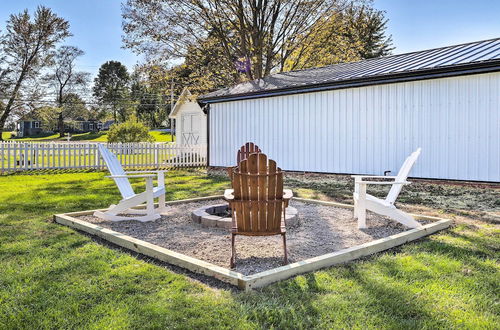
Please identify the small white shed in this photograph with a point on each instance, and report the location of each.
(367, 117)
(190, 120)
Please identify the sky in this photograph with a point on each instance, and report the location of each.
(425, 24)
(95, 25)
(414, 25)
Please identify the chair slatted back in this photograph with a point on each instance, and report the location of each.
(403, 173)
(258, 195)
(115, 168)
(246, 150)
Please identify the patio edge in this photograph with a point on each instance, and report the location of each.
(267, 277)
(152, 250)
(262, 279)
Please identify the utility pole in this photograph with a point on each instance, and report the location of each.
(172, 108)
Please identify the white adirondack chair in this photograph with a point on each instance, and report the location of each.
(130, 198)
(385, 207)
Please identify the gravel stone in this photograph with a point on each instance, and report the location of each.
(321, 229)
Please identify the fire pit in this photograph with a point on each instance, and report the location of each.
(220, 216)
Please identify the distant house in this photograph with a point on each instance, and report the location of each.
(107, 124)
(29, 125)
(80, 125)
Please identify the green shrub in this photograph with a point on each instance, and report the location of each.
(130, 131)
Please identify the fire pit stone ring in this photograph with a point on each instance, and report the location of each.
(219, 216)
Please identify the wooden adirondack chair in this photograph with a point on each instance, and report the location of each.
(257, 200)
(243, 153)
(385, 207)
(130, 198)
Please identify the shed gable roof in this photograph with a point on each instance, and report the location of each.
(484, 55)
(185, 96)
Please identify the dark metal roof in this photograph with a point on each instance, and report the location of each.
(474, 57)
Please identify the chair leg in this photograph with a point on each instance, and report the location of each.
(361, 207)
(150, 202)
(161, 202)
(233, 251)
(355, 210)
(284, 248)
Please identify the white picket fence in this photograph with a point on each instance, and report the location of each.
(22, 156)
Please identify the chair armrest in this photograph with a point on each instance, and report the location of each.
(386, 177)
(131, 176)
(287, 193)
(159, 173)
(229, 194)
(382, 182)
(152, 171)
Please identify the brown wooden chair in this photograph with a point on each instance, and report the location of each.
(246, 150)
(257, 200)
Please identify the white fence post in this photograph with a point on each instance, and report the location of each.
(25, 156)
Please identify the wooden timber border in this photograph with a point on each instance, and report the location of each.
(249, 282)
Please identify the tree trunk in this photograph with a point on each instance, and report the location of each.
(12, 98)
(172, 128)
(2, 124)
(60, 125)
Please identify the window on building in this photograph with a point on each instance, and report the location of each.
(37, 124)
(91, 126)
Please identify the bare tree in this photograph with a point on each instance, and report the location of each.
(65, 79)
(4, 79)
(261, 32)
(27, 46)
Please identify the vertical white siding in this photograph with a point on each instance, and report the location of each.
(369, 130)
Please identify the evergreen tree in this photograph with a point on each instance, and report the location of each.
(111, 88)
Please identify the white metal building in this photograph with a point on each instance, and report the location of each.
(367, 117)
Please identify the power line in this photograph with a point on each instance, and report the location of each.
(90, 103)
(88, 98)
(134, 93)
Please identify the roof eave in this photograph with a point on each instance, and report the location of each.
(483, 67)
(180, 100)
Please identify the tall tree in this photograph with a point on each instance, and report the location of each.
(148, 97)
(253, 37)
(4, 80)
(351, 35)
(66, 80)
(73, 108)
(206, 69)
(27, 46)
(152, 88)
(111, 88)
(260, 33)
(368, 26)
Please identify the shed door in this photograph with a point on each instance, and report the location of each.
(191, 128)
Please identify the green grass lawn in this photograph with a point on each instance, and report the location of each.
(54, 277)
(6, 135)
(89, 136)
(161, 136)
